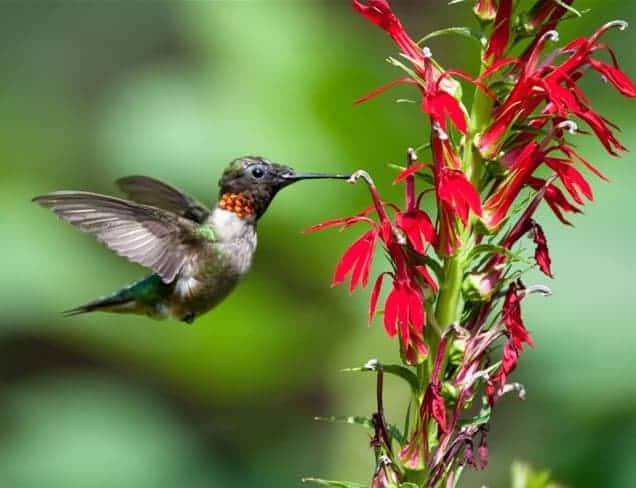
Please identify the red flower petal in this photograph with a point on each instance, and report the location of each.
(616, 77)
(391, 307)
(358, 255)
(375, 293)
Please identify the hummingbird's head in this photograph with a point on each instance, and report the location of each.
(249, 184)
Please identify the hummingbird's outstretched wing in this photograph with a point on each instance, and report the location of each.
(152, 237)
(149, 191)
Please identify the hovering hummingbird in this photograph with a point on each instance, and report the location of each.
(197, 255)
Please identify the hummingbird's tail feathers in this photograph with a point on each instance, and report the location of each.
(142, 297)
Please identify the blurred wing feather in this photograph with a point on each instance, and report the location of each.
(146, 235)
(149, 191)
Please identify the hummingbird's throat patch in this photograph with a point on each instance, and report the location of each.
(237, 203)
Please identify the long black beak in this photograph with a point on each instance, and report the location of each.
(293, 176)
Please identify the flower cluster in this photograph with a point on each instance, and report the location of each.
(456, 287)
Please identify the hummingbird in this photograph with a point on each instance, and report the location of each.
(197, 255)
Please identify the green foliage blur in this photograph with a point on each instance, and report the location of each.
(93, 91)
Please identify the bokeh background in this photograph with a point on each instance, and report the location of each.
(91, 91)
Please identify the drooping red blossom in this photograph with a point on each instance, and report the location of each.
(404, 309)
(511, 316)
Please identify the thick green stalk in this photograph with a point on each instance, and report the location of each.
(448, 310)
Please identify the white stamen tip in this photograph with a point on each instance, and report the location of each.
(619, 24)
(550, 35)
(540, 289)
(440, 132)
(426, 51)
(371, 364)
(384, 461)
(568, 125)
(360, 174)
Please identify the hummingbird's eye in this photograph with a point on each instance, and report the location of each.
(257, 172)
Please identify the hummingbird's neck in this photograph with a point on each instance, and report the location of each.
(240, 204)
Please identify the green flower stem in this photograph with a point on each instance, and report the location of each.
(479, 118)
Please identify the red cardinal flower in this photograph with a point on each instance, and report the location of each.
(456, 195)
(540, 82)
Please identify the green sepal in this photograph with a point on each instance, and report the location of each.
(482, 418)
(364, 422)
(408, 485)
(456, 352)
(492, 249)
(336, 484)
(395, 369)
(449, 390)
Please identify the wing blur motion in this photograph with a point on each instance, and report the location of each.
(145, 235)
(150, 191)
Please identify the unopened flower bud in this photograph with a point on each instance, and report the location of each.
(485, 10)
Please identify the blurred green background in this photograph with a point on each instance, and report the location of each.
(90, 92)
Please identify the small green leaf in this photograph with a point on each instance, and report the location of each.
(483, 417)
(494, 249)
(458, 31)
(352, 419)
(336, 484)
(395, 369)
(363, 422)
